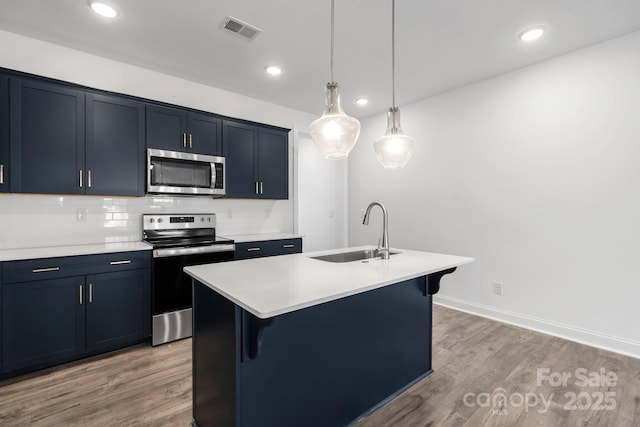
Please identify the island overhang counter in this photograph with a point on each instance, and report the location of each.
(292, 340)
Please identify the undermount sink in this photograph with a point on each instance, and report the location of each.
(351, 256)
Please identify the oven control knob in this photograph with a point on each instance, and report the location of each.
(151, 220)
(201, 219)
(159, 219)
(209, 219)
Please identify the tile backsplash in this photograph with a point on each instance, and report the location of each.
(44, 220)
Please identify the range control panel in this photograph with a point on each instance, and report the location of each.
(178, 221)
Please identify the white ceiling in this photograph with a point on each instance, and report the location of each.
(440, 44)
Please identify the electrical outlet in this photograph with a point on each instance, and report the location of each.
(497, 288)
(82, 214)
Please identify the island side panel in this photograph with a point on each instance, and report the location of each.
(216, 349)
(329, 364)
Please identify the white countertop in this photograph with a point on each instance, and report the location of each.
(59, 251)
(271, 286)
(243, 238)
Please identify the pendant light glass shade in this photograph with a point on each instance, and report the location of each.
(334, 133)
(394, 148)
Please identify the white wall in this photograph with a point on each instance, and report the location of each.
(321, 195)
(53, 219)
(534, 173)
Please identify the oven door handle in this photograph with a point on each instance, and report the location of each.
(162, 253)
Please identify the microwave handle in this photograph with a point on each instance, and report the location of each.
(213, 175)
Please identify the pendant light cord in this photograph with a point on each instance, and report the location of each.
(393, 53)
(332, 14)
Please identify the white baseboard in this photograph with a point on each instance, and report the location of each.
(571, 333)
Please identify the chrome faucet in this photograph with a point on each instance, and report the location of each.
(383, 248)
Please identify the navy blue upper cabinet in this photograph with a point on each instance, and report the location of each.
(4, 134)
(180, 130)
(46, 137)
(205, 134)
(273, 163)
(257, 161)
(240, 149)
(115, 152)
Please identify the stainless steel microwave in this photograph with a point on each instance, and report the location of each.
(174, 172)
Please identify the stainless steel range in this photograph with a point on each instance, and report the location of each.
(179, 241)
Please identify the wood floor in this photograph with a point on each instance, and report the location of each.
(484, 372)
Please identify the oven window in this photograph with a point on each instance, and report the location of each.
(171, 286)
(180, 173)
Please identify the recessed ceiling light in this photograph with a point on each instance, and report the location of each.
(532, 34)
(273, 70)
(362, 101)
(103, 9)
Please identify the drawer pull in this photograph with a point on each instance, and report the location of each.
(252, 249)
(90, 292)
(120, 262)
(44, 270)
(288, 246)
(80, 294)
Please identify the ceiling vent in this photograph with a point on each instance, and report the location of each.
(239, 28)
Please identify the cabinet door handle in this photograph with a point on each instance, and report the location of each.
(120, 262)
(90, 292)
(287, 246)
(190, 140)
(184, 140)
(261, 185)
(44, 270)
(80, 178)
(1, 174)
(89, 178)
(252, 249)
(257, 192)
(80, 294)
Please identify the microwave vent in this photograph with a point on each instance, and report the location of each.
(240, 28)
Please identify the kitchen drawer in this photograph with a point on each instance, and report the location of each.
(50, 268)
(265, 248)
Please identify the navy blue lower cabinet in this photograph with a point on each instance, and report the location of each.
(42, 322)
(4, 134)
(259, 249)
(55, 310)
(118, 310)
(326, 365)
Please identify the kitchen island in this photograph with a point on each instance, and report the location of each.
(293, 340)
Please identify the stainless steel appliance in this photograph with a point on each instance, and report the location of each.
(173, 172)
(179, 241)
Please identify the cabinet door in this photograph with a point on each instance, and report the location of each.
(118, 308)
(115, 154)
(204, 134)
(4, 134)
(47, 138)
(273, 164)
(42, 322)
(240, 149)
(166, 128)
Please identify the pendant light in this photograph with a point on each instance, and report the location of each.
(334, 133)
(394, 148)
